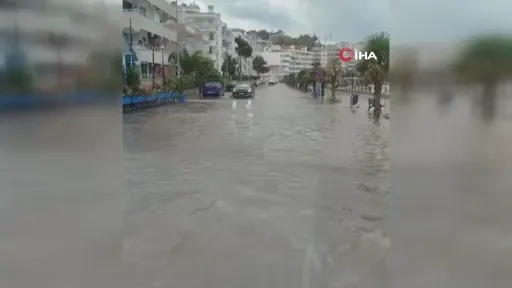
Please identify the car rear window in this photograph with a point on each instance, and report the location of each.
(212, 84)
(242, 86)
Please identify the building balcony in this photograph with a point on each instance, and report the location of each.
(145, 53)
(186, 31)
(139, 21)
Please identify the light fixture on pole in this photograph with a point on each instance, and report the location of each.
(153, 65)
(163, 67)
(177, 41)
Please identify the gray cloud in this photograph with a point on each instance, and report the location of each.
(448, 19)
(259, 13)
(341, 18)
(348, 20)
(407, 21)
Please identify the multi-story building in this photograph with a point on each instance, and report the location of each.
(327, 52)
(285, 60)
(276, 64)
(258, 45)
(150, 27)
(192, 40)
(299, 59)
(58, 45)
(210, 24)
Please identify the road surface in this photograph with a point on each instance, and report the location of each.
(277, 191)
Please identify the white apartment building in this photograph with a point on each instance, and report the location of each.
(55, 45)
(210, 24)
(332, 51)
(258, 45)
(286, 60)
(153, 36)
(274, 63)
(299, 59)
(192, 40)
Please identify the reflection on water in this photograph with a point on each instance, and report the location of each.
(277, 191)
(451, 195)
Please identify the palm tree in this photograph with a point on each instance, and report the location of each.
(239, 49)
(376, 70)
(247, 53)
(487, 60)
(243, 50)
(333, 72)
(173, 58)
(405, 67)
(197, 67)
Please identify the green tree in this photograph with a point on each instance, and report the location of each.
(132, 78)
(350, 74)
(198, 68)
(239, 49)
(333, 72)
(173, 60)
(181, 84)
(486, 60)
(305, 78)
(376, 70)
(106, 74)
(243, 50)
(229, 65)
(290, 80)
(263, 34)
(304, 40)
(259, 65)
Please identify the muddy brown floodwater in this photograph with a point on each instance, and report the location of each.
(277, 191)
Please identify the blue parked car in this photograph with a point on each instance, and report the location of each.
(213, 89)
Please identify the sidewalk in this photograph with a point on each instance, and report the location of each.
(193, 94)
(349, 92)
(343, 95)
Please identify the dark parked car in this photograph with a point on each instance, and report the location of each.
(243, 90)
(213, 89)
(230, 86)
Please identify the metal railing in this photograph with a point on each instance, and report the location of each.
(145, 46)
(172, 26)
(150, 75)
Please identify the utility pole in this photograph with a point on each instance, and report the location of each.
(177, 41)
(153, 65)
(163, 67)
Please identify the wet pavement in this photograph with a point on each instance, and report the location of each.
(277, 191)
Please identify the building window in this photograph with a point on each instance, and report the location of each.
(142, 10)
(211, 50)
(211, 36)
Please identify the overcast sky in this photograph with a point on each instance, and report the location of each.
(407, 21)
(305, 16)
(350, 20)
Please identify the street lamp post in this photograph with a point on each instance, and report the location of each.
(163, 68)
(153, 65)
(177, 42)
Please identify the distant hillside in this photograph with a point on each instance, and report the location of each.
(280, 38)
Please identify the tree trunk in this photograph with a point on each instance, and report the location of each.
(333, 90)
(377, 111)
(488, 101)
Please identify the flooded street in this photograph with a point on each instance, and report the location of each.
(277, 191)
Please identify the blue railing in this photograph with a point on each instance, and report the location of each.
(139, 101)
(79, 98)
